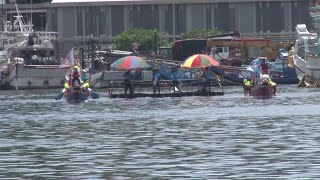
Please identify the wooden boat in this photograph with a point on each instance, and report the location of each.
(188, 88)
(262, 89)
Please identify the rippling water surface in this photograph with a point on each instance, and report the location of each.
(223, 137)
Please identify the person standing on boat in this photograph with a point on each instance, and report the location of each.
(175, 80)
(264, 67)
(75, 75)
(156, 80)
(84, 76)
(208, 75)
(128, 80)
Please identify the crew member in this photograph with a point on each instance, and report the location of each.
(273, 86)
(264, 67)
(247, 86)
(128, 80)
(66, 90)
(208, 76)
(86, 89)
(156, 80)
(175, 80)
(75, 76)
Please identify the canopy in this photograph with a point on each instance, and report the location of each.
(130, 62)
(199, 60)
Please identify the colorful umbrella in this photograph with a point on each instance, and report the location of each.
(199, 60)
(130, 62)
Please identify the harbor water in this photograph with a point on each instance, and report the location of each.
(221, 137)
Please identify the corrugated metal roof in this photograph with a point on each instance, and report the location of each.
(86, 1)
(162, 1)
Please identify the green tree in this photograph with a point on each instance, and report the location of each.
(201, 33)
(147, 39)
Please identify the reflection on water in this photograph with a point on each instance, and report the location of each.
(225, 137)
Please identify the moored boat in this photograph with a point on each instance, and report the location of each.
(28, 58)
(306, 55)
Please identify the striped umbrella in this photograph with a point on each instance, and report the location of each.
(199, 60)
(130, 62)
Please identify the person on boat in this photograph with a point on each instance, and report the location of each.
(156, 80)
(208, 76)
(83, 76)
(247, 86)
(128, 81)
(66, 90)
(75, 76)
(175, 80)
(264, 67)
(273, 85)
(86, 89)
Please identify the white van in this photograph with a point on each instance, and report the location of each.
(219, 53)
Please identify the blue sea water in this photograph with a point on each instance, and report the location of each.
(220, 137)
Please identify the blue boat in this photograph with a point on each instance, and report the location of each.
(279, 71)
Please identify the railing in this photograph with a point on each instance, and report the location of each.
(277, 37)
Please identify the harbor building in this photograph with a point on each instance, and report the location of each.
(103, 19)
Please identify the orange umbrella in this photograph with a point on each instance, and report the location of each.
(199, 60)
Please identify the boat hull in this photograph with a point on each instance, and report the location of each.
(263, 92)
(310, 67)
(21, 76)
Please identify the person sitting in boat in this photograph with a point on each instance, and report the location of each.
(208, 75)
(247, 86)
(66, 90)
(273, 85)
(156, 80)
(264, 67)
(86, 89)
(128, 80)
(175, 80)
(76, 76)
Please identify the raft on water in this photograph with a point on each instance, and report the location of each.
(187, 88)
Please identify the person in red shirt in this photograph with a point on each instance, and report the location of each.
(264, 67)
(75, 76)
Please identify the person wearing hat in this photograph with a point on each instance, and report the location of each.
(83, 76)
(175, 80)
(156, 80)
(128, 80)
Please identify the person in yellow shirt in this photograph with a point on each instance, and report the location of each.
(246, 87)
(273, 86)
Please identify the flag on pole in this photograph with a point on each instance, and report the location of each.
(68, 61)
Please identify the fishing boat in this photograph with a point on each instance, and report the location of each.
(27, 58)
(307, 55)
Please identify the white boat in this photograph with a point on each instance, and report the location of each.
(306, 54)
(27, 59)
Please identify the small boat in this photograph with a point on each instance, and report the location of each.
(263, 88)
(78, 93)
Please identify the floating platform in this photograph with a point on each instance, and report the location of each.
(162, 95)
